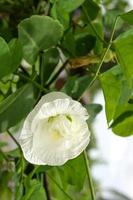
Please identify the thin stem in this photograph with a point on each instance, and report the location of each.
(113, 30)
(24, 70)
(92, 26)
(105, 53)
(89, 176)
(41, 69)
(33, 171)
(57, 73)
(60, 187)
(41, 74)
(22, 164)
(67, 50)
(46, 186)
(14, 139)
(34, 82)
(22, 169)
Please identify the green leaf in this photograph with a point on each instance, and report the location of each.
(43, 168)
(128, 17)
(16, 106)
(85, 44)
(91, 9)
(5, 58)
(59, 13)
(86, 39)
(14, 153)
(10, 56)
(110, 17)
(117, 93)
(76, 86)
(19, 191)
(99, 29)
(111, 88)
(124, 51)
(69, 173)
(38, 33)
(68, 43)
(93, 110)
(34, 191)
(16, 53)
(123, 125)
(69, 5)
(50, 59)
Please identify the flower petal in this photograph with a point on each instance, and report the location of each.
(55, 131)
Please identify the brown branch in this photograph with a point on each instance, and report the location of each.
(46, 186)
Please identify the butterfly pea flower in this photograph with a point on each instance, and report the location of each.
(55, 131)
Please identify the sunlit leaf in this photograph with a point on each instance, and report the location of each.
(34, 191)
(70, 5)
(57, 12)
(124, 50)
(36, 34)
(69, 173)
(119, 111)
(128, 17)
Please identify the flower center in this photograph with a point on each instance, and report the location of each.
(56, 135)
(59, 126)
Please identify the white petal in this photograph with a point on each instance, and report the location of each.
(55, 131)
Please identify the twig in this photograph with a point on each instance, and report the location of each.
(34, 82)
(46, 186)
(14, 139)
(89, 176)
(57, 73)
(105, 53)
(24, 70)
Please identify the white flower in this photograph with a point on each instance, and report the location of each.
(55, 131)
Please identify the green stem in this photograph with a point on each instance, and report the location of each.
(59, 187)
(57, 73)
(92, 26)
(89, 176)
(105, 53)
(33, 171)
(34, 82)
(24, 71)
(14, 139)
(22, 167)
(41, 69)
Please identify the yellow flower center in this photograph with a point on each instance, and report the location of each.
(56, 135)
(59, 126)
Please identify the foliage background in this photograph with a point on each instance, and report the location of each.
(82, 46)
